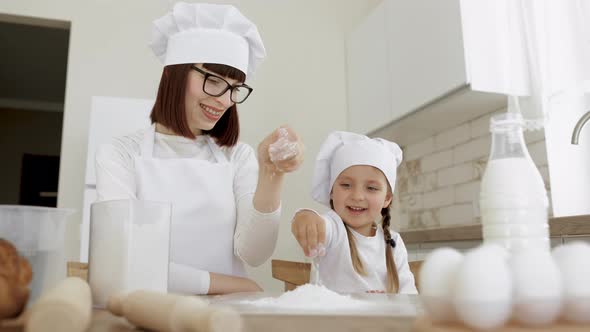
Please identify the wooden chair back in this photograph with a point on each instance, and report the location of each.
(77, 269)
(292, 274)
(415, 268)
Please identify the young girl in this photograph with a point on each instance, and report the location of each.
(355, 176)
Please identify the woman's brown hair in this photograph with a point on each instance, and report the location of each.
(357, 264)
(169, 109)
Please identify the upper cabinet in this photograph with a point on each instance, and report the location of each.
(425, 51)
(368, 73)
(407, 56)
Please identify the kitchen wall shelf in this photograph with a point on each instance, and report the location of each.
(559, 227)
(455, 107)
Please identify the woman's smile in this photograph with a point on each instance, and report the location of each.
(211, 113)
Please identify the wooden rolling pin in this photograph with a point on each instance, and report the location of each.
(173, 313)
(67, 308)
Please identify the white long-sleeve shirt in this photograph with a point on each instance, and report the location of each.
(256, 233)
(336, 269)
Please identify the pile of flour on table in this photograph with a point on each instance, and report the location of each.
(312, 297)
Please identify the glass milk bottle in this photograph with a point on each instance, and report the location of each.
(513, 200)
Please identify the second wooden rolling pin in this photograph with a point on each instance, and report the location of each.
(173, 313)
(67, 307)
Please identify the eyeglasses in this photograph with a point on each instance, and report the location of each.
(216, 86)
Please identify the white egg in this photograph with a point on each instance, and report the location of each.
(483, 288)
(498, 251)
(573, 260)
(536, 283)
(437, 275)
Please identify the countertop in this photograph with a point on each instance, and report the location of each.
(560, 226)
(386, 312)
(390, 312)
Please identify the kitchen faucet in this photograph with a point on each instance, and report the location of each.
(579, 126)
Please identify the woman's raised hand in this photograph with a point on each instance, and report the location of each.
(310, 231)
(281, 151)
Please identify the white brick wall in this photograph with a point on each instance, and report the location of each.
(457, 214)
(439, 180)
(437, 160)
(472, 150)
(481, 126)
(430, 182)
(452, 137)
(419, 149)
(465, 192)
(416, 184)
(411, 202)
(538, 152)
(456, 174)
(544, 170)
(534, 136)
(439, 198)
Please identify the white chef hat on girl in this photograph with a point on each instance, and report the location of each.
(342, 150)
(207, 33)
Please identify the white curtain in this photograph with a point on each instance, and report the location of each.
(539, 51)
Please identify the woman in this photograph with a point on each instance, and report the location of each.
(226, 201)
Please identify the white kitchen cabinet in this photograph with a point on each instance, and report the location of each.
(406, 57)
(368, 79)
(426, 51)
(110, 117)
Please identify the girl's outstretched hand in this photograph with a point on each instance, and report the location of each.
(310, 231)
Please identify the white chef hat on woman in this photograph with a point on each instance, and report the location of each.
(207, 33)
(342, 150)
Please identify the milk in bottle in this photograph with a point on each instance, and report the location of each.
(513, 199)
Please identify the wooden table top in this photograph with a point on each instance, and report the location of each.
(402, 313)
(390, 312)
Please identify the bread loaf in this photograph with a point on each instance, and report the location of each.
(15, 277)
